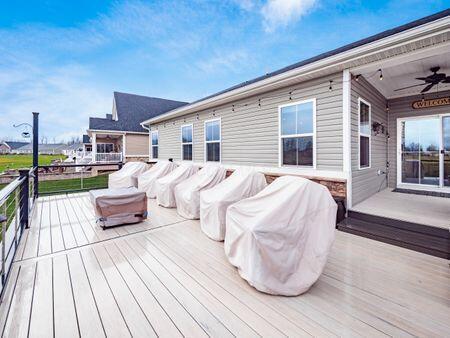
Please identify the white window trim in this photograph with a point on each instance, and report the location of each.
(153, 145)
(281, 137)
(215, 141)
(187, 143)
(369, 135)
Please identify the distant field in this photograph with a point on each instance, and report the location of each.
(25, 161)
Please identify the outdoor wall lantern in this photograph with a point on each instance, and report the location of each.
(378, 128)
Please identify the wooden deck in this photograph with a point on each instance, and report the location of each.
(165, 278)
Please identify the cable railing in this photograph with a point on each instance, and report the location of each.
(16, 206)
(70, 178)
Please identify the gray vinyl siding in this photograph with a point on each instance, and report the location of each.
(401, 108)
(366, 182)
(250, 133)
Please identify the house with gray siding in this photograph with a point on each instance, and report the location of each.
(370, 120)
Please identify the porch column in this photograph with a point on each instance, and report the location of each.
(94, 147)
(124, 147)
(346, 132)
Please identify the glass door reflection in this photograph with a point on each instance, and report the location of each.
(420, 148)
(446, 150)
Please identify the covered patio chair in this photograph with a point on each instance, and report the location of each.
(244, 182)
(165, 186)
(126, 177)
(280, 238)
(187, 193)
(147, 180)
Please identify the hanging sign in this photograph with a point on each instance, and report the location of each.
(443, 101)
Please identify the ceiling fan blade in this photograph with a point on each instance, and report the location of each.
(417, 85)
(427, 88)
(421, 78)
(446, 80)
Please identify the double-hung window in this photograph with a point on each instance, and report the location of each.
(103, 148)
(364, 118)
(155, 141)
(186, 142)
(212, 140)
(297, 133)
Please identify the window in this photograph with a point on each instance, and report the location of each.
(186, 142)
(105, 148)
(155, 144)
(364, 118)
(212, 140)
(297, 133)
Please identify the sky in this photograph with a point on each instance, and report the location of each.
(64, 59)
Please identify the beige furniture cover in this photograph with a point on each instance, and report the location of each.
(127, 176)
(187, 193)
(244, 182)
(119, 206)
(165, 186)
(147, 180)
(280, 238)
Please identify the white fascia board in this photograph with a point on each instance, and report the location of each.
(333, 63)
(115, 132)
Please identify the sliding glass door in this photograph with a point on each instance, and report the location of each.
(424, 151)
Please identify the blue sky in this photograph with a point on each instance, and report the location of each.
(65, 58)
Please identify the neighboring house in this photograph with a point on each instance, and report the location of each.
(120, 135)
(358, 119)
(72, 150)
(47, 149)
(8, 147)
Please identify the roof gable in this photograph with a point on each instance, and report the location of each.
(131, 111)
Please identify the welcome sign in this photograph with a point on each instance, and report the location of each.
(443, 101)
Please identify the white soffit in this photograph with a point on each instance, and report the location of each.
(405, 74)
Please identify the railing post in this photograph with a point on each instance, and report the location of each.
(3, 220)
(36, 152)
(24, 198)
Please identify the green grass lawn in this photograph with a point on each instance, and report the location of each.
(67, 185)
(25, 161)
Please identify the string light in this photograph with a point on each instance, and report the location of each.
(387, 106)
(330, 88)
(290, 95)
(381, 74)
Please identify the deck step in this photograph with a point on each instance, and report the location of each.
(417, 237)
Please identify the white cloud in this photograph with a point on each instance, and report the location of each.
(246, 4)
(65, 96)
(280, 13)
(231, 61)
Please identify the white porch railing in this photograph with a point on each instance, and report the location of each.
(108, 157)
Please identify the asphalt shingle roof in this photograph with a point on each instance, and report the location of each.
(86, 139)
(132, 110)
(14, 145)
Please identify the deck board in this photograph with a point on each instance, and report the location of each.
(164, 278)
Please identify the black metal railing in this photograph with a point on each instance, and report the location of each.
(17, 201)
(70, 178)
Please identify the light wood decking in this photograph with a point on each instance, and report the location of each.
(165, 278)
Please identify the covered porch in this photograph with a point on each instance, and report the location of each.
(107, 146)
(163, 277)
(400, 153)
